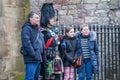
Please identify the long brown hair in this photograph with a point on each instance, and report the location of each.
(67, 29)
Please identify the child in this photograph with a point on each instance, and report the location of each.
(69, 46)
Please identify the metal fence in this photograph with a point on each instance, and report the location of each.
(108, 37)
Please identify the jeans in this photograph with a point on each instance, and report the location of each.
(86, 70)
(32, 71)
(57, 76)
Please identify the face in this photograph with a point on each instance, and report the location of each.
(85, 30)
(35, 19)
(52, 21)
(71, 33)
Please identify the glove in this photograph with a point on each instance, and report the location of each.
(63, 45)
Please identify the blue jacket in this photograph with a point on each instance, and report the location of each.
(93, 48)
(30, 44)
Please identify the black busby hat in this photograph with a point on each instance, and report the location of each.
(47, 12)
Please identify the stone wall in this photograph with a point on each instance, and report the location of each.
(12, 15)
(82, 11)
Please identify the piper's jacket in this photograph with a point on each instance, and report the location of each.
(50, 39)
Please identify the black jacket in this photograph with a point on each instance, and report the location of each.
(69, 53)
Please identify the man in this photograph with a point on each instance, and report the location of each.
(32, 46)
(52, 40)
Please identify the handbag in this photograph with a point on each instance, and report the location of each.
(78, 62)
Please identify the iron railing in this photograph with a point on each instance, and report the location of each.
(108, 37)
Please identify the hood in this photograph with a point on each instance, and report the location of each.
(92, 34)
(27, 23)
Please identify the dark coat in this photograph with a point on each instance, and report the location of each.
(51, 38)
(93, 48)
(48, 35)
(30, 44)
(68, 54)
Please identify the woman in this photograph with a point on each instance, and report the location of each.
(89, 52)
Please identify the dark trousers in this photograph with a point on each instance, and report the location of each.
(57, 76)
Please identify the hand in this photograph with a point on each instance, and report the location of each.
(73, 60)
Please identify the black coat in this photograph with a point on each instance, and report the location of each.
(69, 53)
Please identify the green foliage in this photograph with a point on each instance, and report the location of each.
(20, 76)
(26, 8)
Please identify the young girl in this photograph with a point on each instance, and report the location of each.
(69, 46)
